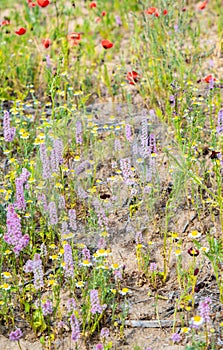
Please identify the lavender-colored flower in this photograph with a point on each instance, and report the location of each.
(64, 229)
(204, 308)
(144, 137)
(95, 303)
(176, 338)
(79, 138)
(128, 133)
(53, 213)
(75, 335)
(68, 259)
(56, 156)
(172, 100)
(71, 305)
(152, 144)
(99, 346)
(82, 167)
(118, 275)
(153, 267)
(28, 267)
(117, 145)
(43, 250)
(38, 272)
(118, 20)
(9, 133)
(16, 335)
(82, 194)
(138, 237)
(72, 219)
(102, 218)
(24, 175)
(220, 122)
(61, 203)
(86, 254)
(48, 62)
(61, 325)
(104, 333)
(14, 235)
(45, 162)
(47, 308)
(127, 172)
(20, 199)
(101, 243)
(42, 199)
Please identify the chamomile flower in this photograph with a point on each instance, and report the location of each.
(194, 234)
(80, 284)
(6, 274)
(124, 291)
(197, 321)
(86, 263)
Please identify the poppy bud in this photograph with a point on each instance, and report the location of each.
(165, 12)
(46, 43)
(196, 271)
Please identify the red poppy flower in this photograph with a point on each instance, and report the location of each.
(165, 12)
(43, 3)
(20, 31)
(93, 4)
(133, 77)
(106, 44)
(103, 13)
(74, 38)
(152, 11)
(209, 78)
(46, 43)
(202, 5)
(31, 3)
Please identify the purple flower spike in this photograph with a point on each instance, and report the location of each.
(16, 335)
(9, 133)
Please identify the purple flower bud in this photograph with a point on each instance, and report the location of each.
(118, 20)
(38, 272)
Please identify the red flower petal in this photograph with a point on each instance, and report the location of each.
(20, 31)
(202, 5)
(165, 12)
(43, 3)
(133, 77)
(106, 44)
(93, 4)
(152, 11)
(209, 78)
